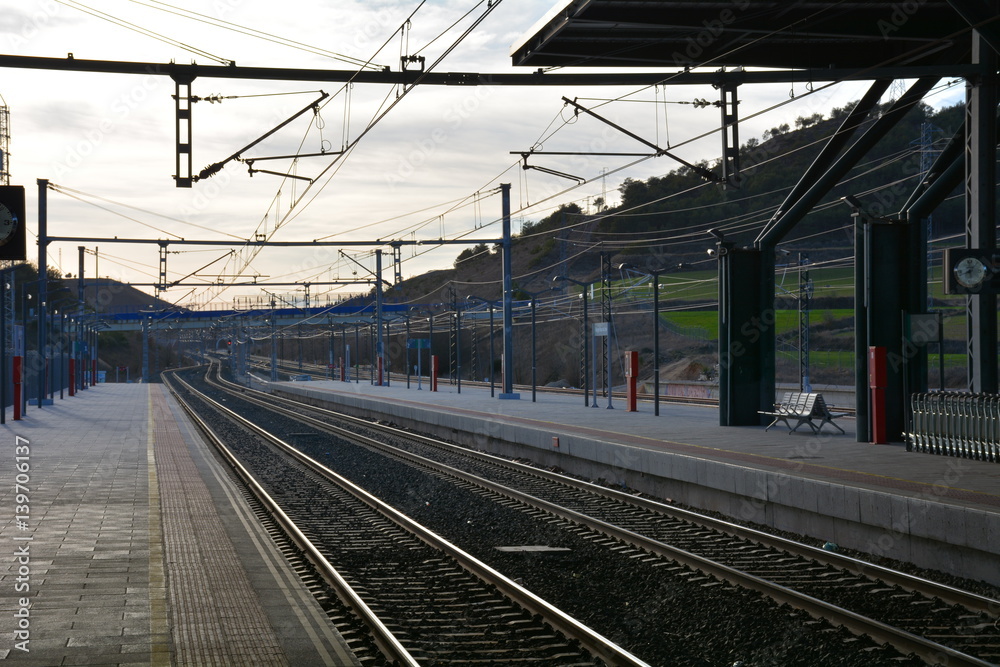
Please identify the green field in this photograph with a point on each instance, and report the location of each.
(688, 307)
(786, 321)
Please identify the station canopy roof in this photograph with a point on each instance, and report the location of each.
(787, 34)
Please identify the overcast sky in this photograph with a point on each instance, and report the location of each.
(415, 175)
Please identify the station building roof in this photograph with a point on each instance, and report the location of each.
(746, 33)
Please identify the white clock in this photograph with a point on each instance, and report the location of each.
(8, 225)
(970, 272)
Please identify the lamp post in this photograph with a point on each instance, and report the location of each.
(489, 304)
(534, 364)
(4, 286)
(329, 360)
(805, 295)
(430, 342)
(274, 342)
(655, 275)
(406, 346)
(458, 347)
(586, 339)
(25, 298)
(59, 315)
(83, 343)
(357, 350)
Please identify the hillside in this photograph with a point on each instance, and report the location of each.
(110, 296)
(664, 220)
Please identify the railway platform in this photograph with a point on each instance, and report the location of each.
(126, 543)
(939, 512)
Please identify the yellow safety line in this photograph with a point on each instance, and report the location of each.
(159, 626)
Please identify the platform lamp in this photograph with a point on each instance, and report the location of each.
(430, 338)
(44, 322)
(406, 346)
(490, 304)
(405, 317)
(25, 298)
(60, 317)
(59, 314)
(4, 287)
(63, 366)
(458, 346)
(586, 340)
(534, 365)
(357, 351)
(655, 275)
(80, 342)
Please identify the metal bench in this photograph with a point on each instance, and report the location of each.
(804, 408)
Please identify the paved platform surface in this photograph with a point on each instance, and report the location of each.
(877, 498)
(128, 544)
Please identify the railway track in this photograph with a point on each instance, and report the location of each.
(938, 623)
(423, 600)
(321, 373)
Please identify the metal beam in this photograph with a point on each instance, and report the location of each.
(701, 171)
(985, 21)
(981, 210)
(508, 301)
(776, 231)
(380, 342)
(747, 278)
(293, 244)
(821, 164)
(536, 78)
(258, 284)
(943, 176)
(742, 337)
(43, 276)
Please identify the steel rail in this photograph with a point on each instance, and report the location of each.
(948, 594)
(880, 632)
(594, 642)
(383, 637)
(292, 369)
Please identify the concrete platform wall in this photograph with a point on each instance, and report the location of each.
(959, 540)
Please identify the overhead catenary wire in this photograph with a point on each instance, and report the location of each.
(570, 188)
(336, 163)
(327, 181)
(79, 6)
(79, 195)
(260, 34)
(253, 251)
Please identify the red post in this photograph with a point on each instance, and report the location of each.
(72, 376)
(632, 376)
(379, 375)
(876, 385)
(434, 372)
(93, 372)
(343, 371)
(17, 387)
